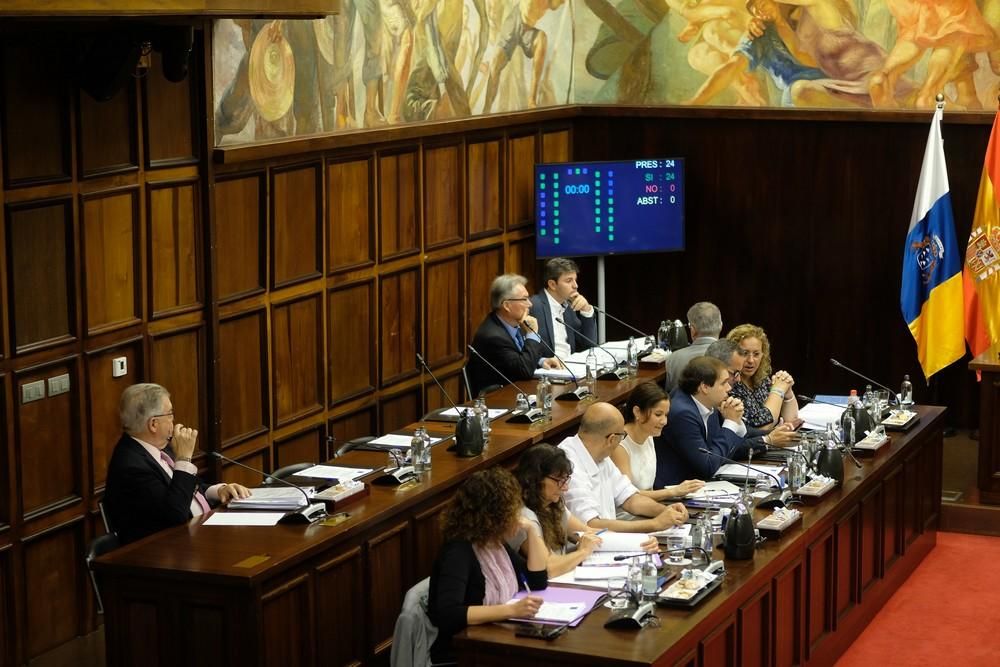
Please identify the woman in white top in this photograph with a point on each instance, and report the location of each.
(544, 472)
(645, 416)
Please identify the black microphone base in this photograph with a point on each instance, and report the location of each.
(306, 515)
(615, 376)
(530, 417)
(577, 394)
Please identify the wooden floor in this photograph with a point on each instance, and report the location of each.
(964, 515)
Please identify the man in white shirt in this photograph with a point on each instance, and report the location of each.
(560, 299)
(597, 489)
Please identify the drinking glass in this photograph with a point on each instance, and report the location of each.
(617, 599)
(675, 549)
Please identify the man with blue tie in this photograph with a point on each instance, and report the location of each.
(694, 424)
(507, 338)
(561, 299)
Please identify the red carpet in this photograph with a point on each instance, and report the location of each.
(946, 613)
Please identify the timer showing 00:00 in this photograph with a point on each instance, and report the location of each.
(582, 189)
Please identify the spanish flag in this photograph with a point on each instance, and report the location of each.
(931, 292)
(981, 274)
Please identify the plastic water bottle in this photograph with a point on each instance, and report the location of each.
(650, 579)
(869, 401)
(543, 396)
(483, 414)
(849, 422)
(906, 393)
(592, 370)
(663, 336)
(426, 457)
(634, 581)
(417, 447)
(633, 357)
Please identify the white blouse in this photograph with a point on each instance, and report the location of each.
(642, 458)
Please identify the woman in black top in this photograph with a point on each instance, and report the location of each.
(766, 397)
(476, 574)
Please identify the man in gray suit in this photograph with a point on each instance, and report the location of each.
(705, 321)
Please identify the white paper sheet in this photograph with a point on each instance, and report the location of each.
(627, 542)
(494, 412)
(339, 473)
(243, 519)
(400, 441)
(560, 612)
(817, 415)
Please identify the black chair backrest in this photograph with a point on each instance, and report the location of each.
(286, 471)
(104, 518)
(98, 547)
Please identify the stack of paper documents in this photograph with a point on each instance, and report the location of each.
(816, 416)
(280, 498)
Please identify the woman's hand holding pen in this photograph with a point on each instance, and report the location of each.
(526, 607)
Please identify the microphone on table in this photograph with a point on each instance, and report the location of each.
(468, 430)
(625, 324)
(579, 392)
(740, 534)
(618, 373)
(531, 415)
(892, 394)
(311, 513)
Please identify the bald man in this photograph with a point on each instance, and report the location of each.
(597, 489)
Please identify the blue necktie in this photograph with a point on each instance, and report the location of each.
(519, 339)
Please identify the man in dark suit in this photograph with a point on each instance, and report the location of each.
(152, 486)
(701, 398)
(507, 338)
(561, 299)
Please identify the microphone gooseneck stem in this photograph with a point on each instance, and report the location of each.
(621, 322)
(423, 363)
(564, 364)
(892, 394)
(221, 457)
(588, 339)
(496, 370)
(705, 450)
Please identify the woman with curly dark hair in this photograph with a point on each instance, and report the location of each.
(766, 398)
(476, 574)
(544, 471)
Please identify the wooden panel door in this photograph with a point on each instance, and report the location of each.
(341, 607)
(389, 578)
(754, 618)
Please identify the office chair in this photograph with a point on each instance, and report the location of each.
(98, 547)
(104, 517)
(286, 471)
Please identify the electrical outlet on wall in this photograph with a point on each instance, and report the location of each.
(119, 367)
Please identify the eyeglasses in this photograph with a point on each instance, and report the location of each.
(165, 414)
(617, 436)
(522, 299)
(733, 375)
(563, 482)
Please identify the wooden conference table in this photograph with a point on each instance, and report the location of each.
(802, 599)
(301, 595)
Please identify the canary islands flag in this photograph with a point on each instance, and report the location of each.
(931, 294)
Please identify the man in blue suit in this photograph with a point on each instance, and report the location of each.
(561, 299)
(702, 416)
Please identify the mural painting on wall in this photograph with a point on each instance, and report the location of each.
(384, 62)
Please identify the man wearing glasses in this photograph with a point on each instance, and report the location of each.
(705, 322)
(597, 489)
(508, 337)
(152, 483)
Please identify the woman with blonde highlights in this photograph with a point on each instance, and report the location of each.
(767, 399)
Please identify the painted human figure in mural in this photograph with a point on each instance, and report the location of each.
(714, 30)
(952, 30)
(770, 44)
(519, 31)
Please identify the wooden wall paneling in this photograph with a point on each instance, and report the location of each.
(892, 517)
(870, 547)
(351, 331)
(7, 465)
(521, 259)
(174, 248)
(241, 237)
(754, 619)
(521, 180)
(243, 377)
(911, 502)
(41, 274)
(484, 265)
(47, 441)
(306, 446)
(719, 647)
(110, 224)
(341, 603)
(388, 579)
(107, 134)
(293, 645)
(259, 459)
(102, 396)
(484, 161)
(53, 579)
(177, 361)
(847, 572)
(556, 146)
(444, 310)
(350, 214)
(434, 399)
(353, 425)
(820, 574)
(400, 409)
(296, 224)
(170, 131)
(689, 659)
(297, 358)
(788, 615)
(399, 330)
(34, 112)
(427, 539)
(443, 187)
(9, 647)
(399, 202)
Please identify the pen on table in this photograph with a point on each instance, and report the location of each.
(524, 580)
(602, 530)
